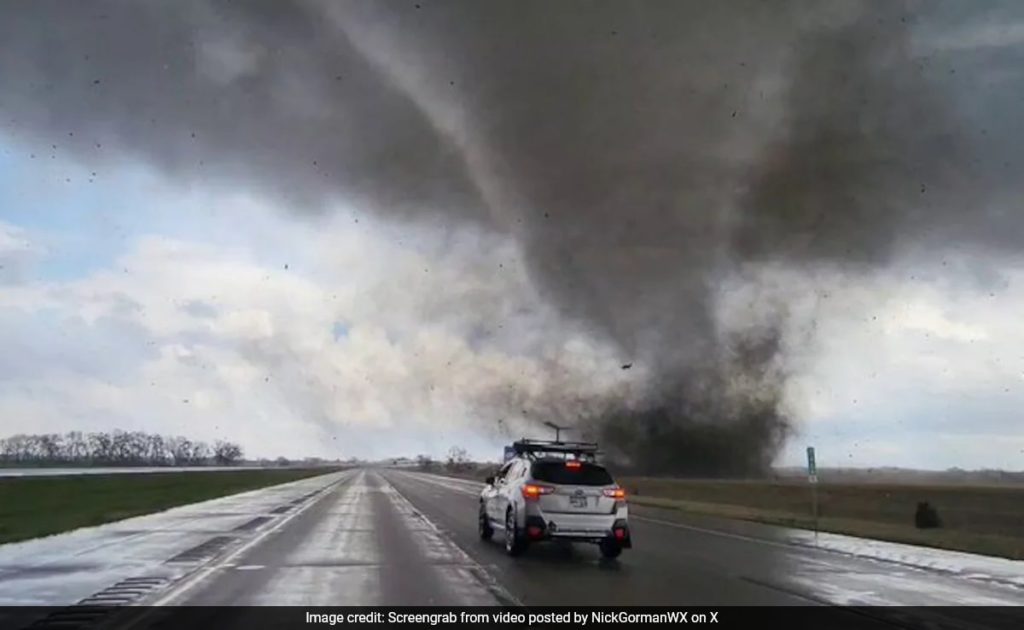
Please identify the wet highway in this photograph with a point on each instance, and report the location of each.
(387, 537)
(364, 543)
(701, 562)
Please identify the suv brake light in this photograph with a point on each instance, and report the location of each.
(532, 491)
(615, 493)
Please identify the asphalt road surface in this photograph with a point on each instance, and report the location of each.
(397, 537)
(394, 537)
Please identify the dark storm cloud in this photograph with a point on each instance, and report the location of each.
(642, 153)
(262, 95)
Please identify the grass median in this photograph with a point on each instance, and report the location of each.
(31, 507)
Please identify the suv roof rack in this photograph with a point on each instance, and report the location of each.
(534, 448)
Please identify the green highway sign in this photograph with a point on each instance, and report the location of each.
(812, 466)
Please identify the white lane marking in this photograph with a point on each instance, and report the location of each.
(345, 534)
(426, 478)
(490, 583)
(190, 582)
(715, 532)
(336, 561)
(250, 567)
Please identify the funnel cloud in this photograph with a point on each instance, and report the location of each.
(642, 157)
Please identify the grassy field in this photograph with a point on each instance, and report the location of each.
(39, 506)
(978, 519)
(985, 519)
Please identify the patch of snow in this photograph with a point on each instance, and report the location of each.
(965, 565)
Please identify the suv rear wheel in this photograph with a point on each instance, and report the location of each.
(610, 549)
(514, 543)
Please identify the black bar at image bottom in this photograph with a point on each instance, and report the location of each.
(312, 618)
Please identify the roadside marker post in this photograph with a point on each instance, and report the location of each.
(812, 477)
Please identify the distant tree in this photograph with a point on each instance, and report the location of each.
(15, 449)
(33, 447)
(137, 449)
(180, 449)
(100, 448)
(424, 462)
(121, 448)
(282, 461)
(117, 448)
(458, 459)
(156, 450)
(226, 453)
(200, 453)
(76, 448)
(50, 448)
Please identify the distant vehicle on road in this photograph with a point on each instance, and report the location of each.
(555, 491)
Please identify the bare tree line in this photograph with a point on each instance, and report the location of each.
(116, 448)
(457, 460)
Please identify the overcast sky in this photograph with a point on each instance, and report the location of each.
(127, 303)
(134, 297)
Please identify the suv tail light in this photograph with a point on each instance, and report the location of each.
(532, 491)
(615, 493)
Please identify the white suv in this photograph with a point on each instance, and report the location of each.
(555, 490)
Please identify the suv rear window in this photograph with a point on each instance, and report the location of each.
(558, 473)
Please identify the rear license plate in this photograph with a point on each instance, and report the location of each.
(578, 501)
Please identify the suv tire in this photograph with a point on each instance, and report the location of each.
(485, 529)
(514, 543)
(610, 549)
